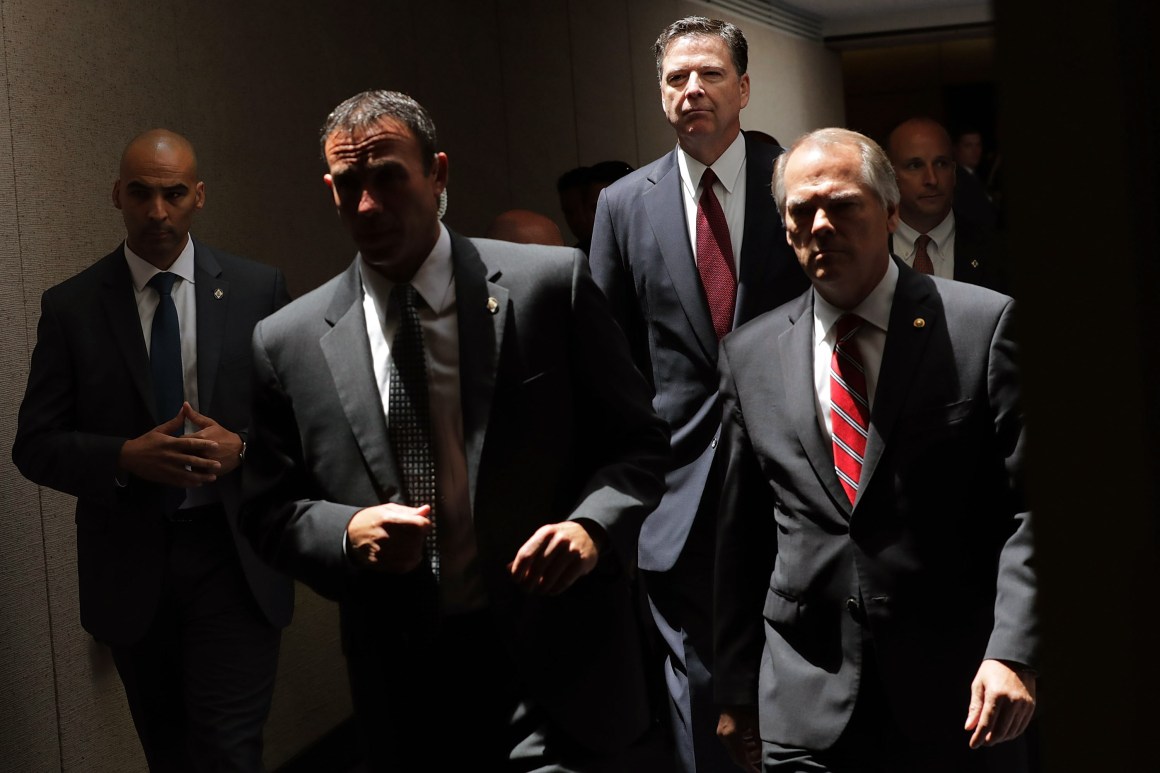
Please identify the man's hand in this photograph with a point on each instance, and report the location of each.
(227, 445)
(388, 538)
(737, 729)
(158, 456)
(1002, 703)
(556, 556)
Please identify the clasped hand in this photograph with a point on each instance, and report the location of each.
(185, 461)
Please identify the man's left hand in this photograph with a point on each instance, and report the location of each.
(1002, 703)
(556, 556)
(229, 444)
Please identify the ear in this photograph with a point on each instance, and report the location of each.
(116, 195)
(326, 178)
(199, 192)
(744, 89)
(891, 218)
(439, 168)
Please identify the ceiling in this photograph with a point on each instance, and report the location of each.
(868, 18)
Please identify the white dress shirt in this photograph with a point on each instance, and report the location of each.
(729, 189)
(871, 341)
(940, 250)
(460, 585)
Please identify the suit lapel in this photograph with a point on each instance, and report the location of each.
(482, 308)
(796, 346)
(348, 356)
(757, 241)
(213, 300)
(664, 204)
(120, 306)
(915, 298)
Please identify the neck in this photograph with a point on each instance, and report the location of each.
(708, 149)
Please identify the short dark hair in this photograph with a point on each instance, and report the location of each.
(608, 172)
(366, 109)
(573, 178)
(702, 25)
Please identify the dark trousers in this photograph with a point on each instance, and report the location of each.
(873, 743)
(199, 683)
(681, 606)
(453, 701)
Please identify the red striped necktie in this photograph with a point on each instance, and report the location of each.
(849, 406)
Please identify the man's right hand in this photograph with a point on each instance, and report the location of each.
(737, 729)
(388, 538)
(160, 457)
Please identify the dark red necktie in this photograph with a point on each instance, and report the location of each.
(715, 257)
(849, 406)
(922, 261)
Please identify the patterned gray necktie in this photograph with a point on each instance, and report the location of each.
(409, 415)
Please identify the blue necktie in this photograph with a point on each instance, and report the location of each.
(165, 351)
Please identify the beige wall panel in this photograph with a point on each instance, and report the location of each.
(461, 84)
(602, 84)
(28, 721)
(541, 132)
(646, 20)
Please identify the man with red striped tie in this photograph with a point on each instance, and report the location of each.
(875, 590)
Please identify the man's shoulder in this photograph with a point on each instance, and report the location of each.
(236, 266)
(526, 265)
(645, 177)
(770, 324)
(89, 278)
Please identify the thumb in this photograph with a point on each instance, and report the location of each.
(172, 426)
(976, 707)
(199, 421)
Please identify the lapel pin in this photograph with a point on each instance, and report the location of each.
(492, 305)
(218, 293)
(974, 264)
(919, 323)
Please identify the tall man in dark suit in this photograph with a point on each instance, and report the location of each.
(451, 440)
(152, 455)
(875, 585)
(682, 261)
(932, 236)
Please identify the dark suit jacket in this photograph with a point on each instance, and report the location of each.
(556, 424)
(642, 259)
(979, 256)
(933, 561)
(90, 389)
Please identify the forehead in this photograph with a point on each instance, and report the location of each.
(158, 164)
(696, 51)
(922, 140)
(385, 138)
(826, 171)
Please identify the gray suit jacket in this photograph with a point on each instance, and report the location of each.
(557, 425)
(90, 389)
(642, 260)
(933, 561)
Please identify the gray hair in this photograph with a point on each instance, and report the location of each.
(706, 27)
(364, 110)
(877, 172)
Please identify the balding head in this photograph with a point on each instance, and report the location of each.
(158, 193)
(523, 226)
(920, 151)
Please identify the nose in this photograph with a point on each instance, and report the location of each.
(367, 203)
(929, 178)
(694, 85)
(821, 222)
(157, 210)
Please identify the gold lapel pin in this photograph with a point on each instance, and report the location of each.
(919, 323)
(492, 305)
(218, 293)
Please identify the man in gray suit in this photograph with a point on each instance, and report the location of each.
(451, 440)
(192, 616)
(678, 279)
(875, 586)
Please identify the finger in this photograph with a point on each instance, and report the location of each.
(1001, 727)
(173, 425)
(986, 723)
(976, 706)
(521, 565)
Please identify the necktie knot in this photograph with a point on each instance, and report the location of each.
(707, 179)
(848, 326)
(405, 297)
(922, 261)
(162, 282)
(922, 242)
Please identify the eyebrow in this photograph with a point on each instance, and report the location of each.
(137, 185)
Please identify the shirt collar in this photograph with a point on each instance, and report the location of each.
(433, 280)
(874, 308)
(142, 270)
(939, 234)
(727, 167)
